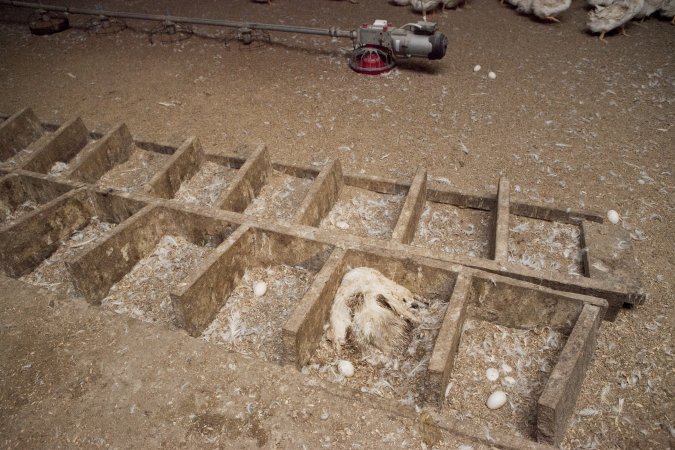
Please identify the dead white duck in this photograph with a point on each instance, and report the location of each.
(606, 18)
(373, 311)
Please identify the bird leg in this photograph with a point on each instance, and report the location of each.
(602, 38)
(552, 19)
(623, 31)
(672, 22)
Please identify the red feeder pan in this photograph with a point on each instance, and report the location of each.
(371, 60)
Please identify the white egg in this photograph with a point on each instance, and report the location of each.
(476, 68)
(346, 368)
(492, 75)
(492, 374)
(509, 380)
(496, 400)
(506, 368)
(259, 288)
(613, 216)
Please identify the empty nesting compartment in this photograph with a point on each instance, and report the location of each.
(280, 197)
(455, 230)
(364, 213)
(205, 186)
(545, 246)
(251, 287)
(21, 194)
(510, 336)
(133, 271)
(132, 174)
(38, 248)
(396, 373)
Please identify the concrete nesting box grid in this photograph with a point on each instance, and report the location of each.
(235, 234)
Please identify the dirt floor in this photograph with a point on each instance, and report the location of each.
(569, 120)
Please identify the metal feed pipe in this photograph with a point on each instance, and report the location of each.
(332, 31)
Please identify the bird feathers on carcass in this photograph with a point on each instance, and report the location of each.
(604, 19)
(371, 310)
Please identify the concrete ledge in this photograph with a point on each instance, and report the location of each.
(92, 162)
(63, 145)
(501, 229)
(447, 342)
(322, 195)
(182, 165)
(303, 330)
(556, 403)
(247, 184)
(413, 207)
(17, 133)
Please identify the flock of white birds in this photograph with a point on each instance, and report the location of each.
(605, 15)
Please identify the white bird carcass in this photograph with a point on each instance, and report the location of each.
(604, 19)
(373, 310)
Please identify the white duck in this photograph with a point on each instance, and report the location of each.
(668, 10)
(424, 5)
(617, 14)
(373, 309)
(549, 9)
(450, 4)
(649, 8)
(544, 9)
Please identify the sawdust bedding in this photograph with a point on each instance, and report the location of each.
(52, 273)
(204, 187)
(543, 245)
(524, 359)
(364, 213)
(280, 197)
(253, 325)
(131, 175)
(10, 213)
(399, 376)
(143, 293)
(451, 229)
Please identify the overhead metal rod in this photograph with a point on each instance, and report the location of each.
(332, 31)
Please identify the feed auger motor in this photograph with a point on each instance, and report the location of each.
(376, 46)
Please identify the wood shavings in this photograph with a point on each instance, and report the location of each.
(204, 187)
(252, 325)
(451, 229)
(368, 213)
(400, 376)
(531, 353)
(53, 273)
(132, 174)
(543, 245)
(280, 197)
(143, 293)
